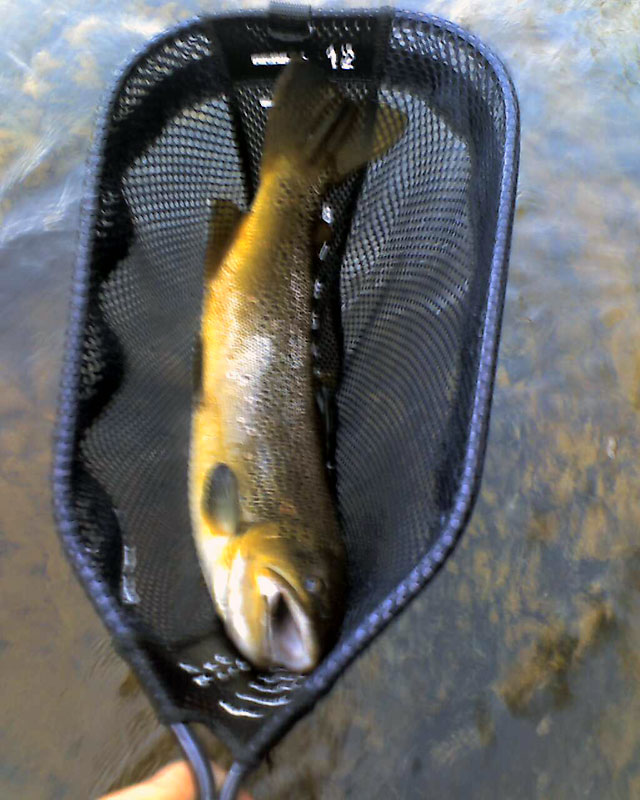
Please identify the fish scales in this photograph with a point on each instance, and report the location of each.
(263, 518)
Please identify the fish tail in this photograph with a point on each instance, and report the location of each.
(320, 133)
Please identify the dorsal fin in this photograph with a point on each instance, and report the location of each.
(225, 217)
(221, 500)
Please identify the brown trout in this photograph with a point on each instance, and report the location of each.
(263, 519)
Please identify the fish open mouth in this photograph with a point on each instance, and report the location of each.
(291, 640)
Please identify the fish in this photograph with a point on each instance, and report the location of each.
(263, 517)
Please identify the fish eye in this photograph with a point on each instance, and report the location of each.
(313, 584)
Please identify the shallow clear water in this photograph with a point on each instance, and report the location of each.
(517, 672)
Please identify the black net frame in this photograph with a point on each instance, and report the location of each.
(415, 239)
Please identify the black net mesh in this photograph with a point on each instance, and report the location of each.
(400, 297)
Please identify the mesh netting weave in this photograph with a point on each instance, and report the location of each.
(408, 295)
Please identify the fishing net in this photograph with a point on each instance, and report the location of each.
(408, 296)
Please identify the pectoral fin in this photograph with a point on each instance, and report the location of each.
(221, 500)
(225, 218)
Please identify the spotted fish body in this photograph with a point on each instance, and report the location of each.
(262, 514)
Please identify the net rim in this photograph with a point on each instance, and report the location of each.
(65, 440)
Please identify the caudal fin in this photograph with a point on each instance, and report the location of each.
(319, 132)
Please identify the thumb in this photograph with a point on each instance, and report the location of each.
(173, 782)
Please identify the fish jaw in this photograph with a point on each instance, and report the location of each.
(267, 620)
(292, 641)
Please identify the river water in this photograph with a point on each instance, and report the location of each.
(516, 674)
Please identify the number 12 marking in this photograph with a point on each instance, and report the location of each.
(347, 56)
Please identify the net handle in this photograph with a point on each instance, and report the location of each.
(194, 752)
(198, 760)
